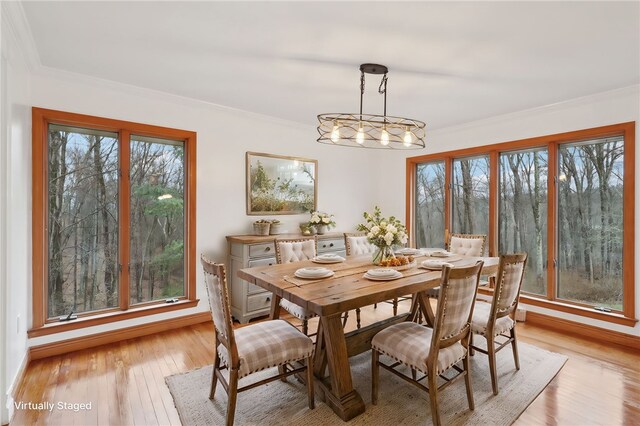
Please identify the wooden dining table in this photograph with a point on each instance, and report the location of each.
(346, 290)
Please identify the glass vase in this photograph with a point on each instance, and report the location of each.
(382, 253)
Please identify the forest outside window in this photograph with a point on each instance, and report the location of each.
(113, 218)
(566, 199)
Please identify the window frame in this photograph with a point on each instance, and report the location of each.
(41, 118)
(551, 142)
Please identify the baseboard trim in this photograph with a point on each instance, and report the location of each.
(104, 338)
(584, 330)
(13, 390)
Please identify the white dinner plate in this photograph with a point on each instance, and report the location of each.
(336, 259)
(383, 278)
(440, 253)
(314, 277)
(381, 272)
(435, 265)
(408, 251)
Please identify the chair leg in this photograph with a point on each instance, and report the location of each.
(214, 377)
(305, 327)
(514, 346)
(310, 387)
(375, 305)
(375, 374)
(358, 317)
(472, 351)
(433, 398)
(467, 381)
(233, 396)
(344, 319)
(414, 374)
(395, 306)
(491, 349)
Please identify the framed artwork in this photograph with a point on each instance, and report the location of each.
(279, 184)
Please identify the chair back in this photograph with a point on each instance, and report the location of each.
(288, 251)
(508, 284)
(357, 244)
(467, 244)
(458, 289)
(215, 280)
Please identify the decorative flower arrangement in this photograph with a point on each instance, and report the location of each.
(383, 233)
(321, 219)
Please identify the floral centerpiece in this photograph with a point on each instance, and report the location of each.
(321, 221)
(384, 233)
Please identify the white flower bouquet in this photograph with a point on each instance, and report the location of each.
(383, 233)
(320, 219)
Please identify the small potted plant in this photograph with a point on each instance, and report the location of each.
(261, 227)
(322, 222)
(274, 228)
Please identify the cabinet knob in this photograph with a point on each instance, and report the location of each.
(268, 299)
(267, 249)
(324, 246)
(270, 264)
(331, 245)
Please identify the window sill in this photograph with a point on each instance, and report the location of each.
(105, 318)
(555, 305)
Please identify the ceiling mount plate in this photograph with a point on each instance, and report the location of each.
(373, 69)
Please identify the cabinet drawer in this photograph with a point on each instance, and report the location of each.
(261, 250)
(258, 302)
(251, 288)
(330, 245)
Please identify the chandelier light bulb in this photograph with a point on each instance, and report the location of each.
(384, 137)
(335, 133)
(408, 139)
(360, 135)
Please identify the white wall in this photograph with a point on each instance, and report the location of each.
(224, 135)
(616, 106)
(15, 205)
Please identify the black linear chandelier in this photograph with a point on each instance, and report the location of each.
(368, 130)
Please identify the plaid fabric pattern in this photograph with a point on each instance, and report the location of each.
(217, 298)
(267, 344)
(467, 245)
(481, 314)
(296, 310)
(410, 344)
(359, 245)
(296, 251)
(509, 282)
(457, 304)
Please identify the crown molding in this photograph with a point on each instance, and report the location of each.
(17, 38)
(540, 110)
(159, 95)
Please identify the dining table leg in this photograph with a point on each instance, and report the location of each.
(274, 313)
(339, 393)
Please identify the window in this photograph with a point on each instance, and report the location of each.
(113, 219)
(523, 212)
(471, 195)
(590, 222)
(430, 204)
(565, 199)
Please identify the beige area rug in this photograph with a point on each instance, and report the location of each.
(279, 403)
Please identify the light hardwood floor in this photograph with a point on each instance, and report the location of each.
(600, 384)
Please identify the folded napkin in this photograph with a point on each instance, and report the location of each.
(381, 272)
(435, 264)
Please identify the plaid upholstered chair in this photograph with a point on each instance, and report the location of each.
(433, 351)
(498, 318)
(466, 245)
(251, 348)
(296, 250)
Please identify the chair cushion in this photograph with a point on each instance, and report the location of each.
(296, 310)
(481, 317)
(359, 245)
(467, 246)
(296, 251)
(267, 344)
(409, 343)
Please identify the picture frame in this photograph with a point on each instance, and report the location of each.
(280, 185)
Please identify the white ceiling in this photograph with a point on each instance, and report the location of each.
(449, 62)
